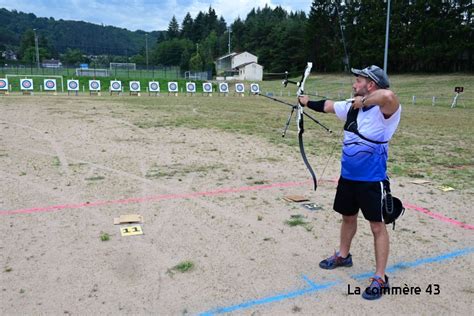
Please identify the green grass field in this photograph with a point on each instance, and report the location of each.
(433, 142)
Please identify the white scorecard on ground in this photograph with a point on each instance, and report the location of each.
(154, 86)
(135, 86)
(3, 84)
(207, 87)
(26, 84)
(173, 86)
(94, 85)
(254, 88)
(190, 87)
(239, 88)
(223, 87)
(73, 85)
(116, 85)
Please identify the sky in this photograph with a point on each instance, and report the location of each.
(147, 15)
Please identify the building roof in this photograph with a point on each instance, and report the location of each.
(227, 56)
(51, 61)
(247, 53)
(243, 65)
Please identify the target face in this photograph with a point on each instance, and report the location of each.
(73, 85)
(207, 87)
(50, 84)
(172, 86)
(135, 86)
(154, 86)
(94, 85)
(191, 87)
(239, 87)
(116, 86)
(223, 87)
(26, 84)
(254, 88)
(3, 84)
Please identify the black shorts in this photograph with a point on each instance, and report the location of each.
(354, 195)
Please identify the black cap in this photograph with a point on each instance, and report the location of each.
(374, 73)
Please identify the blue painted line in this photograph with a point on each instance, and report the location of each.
(309, 281)
(314, 287)
(405, 265)
(271, 299)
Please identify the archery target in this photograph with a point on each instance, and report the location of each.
(154, 86)
(94, 85)
(173, 86)
(239, 88)
(116, 86)
(190, 87)
(3, 84)
(135, 86)
(49, 84)
(73, 85)
(223, 87)
(26, 84)
(207, 87)
(254, 88)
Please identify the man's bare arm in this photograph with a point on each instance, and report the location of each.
(384, 98)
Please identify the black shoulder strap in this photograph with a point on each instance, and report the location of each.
(351, 126)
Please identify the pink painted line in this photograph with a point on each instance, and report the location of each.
(214, 193)
(439, 216)
(154, 198)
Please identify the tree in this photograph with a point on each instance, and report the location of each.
(169, 52)
(187, 27)
(196, 63)
(173, 29)
(73, 57)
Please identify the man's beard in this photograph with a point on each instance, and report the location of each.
(361, 92)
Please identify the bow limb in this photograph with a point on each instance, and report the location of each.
(300, 123)
(303, 153)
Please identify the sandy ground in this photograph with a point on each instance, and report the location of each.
(55, 151)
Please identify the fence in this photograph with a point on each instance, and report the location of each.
(163, 72)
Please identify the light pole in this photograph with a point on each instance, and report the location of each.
(228, 44)
(146, 50)
(387, 27)
(37, 49)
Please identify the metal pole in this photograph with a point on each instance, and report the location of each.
(385, 58)
(228, 43)
(37, 49)
(146, 50)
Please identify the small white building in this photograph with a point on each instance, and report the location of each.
(51, 63)
(250, 71)
(242, 66)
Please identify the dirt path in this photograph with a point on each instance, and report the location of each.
(210, 197)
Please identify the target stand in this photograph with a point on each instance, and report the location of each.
(254, 89)
(3, 86)
(49, 86)
(239, 89)
(26, 86)
(135, 88)
(115, 87)
(153, 88)
(224, 89)
(173, 88)
(207, 89)
(94, 88)
(458, 91)
(73, 87)
(190, 89)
